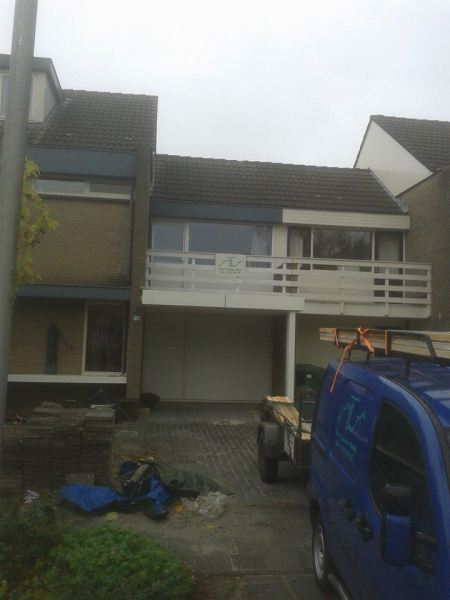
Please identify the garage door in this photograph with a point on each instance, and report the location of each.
(208, 357)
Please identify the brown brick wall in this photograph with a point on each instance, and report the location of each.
(90, 245)
(428, 241)
(31, 319)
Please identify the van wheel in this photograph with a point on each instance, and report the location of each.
(322, 563)
(267, 467)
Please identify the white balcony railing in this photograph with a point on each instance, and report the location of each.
(319, 281)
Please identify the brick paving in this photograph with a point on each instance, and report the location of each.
(264, 533)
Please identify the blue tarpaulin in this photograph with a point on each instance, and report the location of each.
(93, 499)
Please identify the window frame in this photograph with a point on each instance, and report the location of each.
(86, 193)
(385, 401)
(124, 343)
(186, 223)
(32, 106)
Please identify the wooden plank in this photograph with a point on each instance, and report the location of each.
(440, 341)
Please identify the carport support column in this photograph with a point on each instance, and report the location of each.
(291, 320)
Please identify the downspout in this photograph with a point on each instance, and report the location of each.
(130, 234)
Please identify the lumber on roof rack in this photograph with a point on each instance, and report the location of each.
(422, 345)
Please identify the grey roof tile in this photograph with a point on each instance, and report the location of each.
(188, 179)
(427, 141)
(97, 121)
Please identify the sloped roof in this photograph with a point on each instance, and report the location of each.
(188, 179)
(97, 121)
(427, 141)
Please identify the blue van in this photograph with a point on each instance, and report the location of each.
(379, 483)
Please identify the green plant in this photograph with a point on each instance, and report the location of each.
(109, 563)
(35, 222)
(27, 536)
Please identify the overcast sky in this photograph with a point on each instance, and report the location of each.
(287, 81)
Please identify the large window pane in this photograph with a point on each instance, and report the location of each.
(233, 238)
(299, 242)
(59, 186)
(105, 338)
(342, 244)
(167, 236)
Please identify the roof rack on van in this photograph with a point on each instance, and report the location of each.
(429, 346)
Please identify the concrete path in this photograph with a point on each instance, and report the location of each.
(263, 537)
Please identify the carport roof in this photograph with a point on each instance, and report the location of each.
(250, 183)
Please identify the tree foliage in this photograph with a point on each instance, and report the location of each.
(35, 222)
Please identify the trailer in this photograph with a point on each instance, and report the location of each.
(284, 433)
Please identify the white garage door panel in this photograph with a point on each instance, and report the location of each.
(163, 355)
(250, 370)
(207, 358)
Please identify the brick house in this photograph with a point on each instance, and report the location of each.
(247, 260)
(196, 279)
(94, 150)
(412, 158)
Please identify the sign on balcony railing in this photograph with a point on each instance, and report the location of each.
(231, 265)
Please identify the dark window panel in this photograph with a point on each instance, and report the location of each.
(105, 338)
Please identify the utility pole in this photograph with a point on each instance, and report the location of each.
(11, 174)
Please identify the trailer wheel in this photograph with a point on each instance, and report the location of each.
(267, 467)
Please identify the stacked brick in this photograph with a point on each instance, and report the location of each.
(56, 446)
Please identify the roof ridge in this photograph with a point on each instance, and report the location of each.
(257, 162)
(125, 95)
(409, 119)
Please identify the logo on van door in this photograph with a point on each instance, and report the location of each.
(346, 424)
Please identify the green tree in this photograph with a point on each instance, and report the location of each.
(35, 222)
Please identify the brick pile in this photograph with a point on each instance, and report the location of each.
(56, 446)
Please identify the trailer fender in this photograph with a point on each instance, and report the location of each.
(273, 439)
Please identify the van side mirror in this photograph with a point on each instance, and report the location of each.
(395, 536)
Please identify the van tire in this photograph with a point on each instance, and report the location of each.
(322, 562)
(267, 467)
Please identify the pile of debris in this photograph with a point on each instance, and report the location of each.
(57, 446)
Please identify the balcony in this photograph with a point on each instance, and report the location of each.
(310, 285)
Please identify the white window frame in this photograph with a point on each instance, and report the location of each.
(86, 193)
(32, 109)
(85, 324)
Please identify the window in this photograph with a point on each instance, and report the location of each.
(299, 242)
(342, 244)
(236, 238)
(4, 92)
(110, 188)
(168, 236)
(104, 340)
(397, 458)
(59, 186)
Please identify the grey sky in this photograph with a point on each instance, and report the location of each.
(293, 81)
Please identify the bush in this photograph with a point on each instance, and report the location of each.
(108, 563)
(27, 536)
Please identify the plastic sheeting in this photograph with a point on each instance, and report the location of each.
(94, 499)
(186, 483)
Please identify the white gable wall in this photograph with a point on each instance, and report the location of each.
(391, 163)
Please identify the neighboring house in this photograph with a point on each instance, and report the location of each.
(247, 260)
(403, 152)
(412, 158)
(70, 330)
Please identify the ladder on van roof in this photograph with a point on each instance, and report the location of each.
(429, 346)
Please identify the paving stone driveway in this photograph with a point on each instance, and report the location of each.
(264, 533)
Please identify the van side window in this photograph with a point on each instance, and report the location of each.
(397, 458)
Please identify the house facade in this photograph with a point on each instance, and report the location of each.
(195, 279)
(247, 260)
(420, 177)
(71, 329)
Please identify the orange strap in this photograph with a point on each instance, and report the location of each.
(361, 336)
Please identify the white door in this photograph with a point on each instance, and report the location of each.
(208, 357)
(164, 355)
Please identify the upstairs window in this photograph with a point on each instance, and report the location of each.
(342, 244)
(4, 92)
(96, 189)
